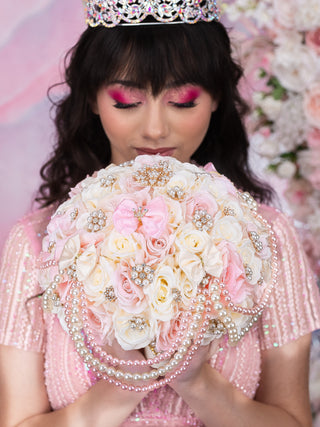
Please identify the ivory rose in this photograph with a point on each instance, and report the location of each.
(227, 228)
(129, 337)
(191, 265)
(160, 294)
(312, 105)
(192, 239)
(118, 246)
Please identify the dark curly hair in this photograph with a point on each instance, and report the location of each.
(150, 56)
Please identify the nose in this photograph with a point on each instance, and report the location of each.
(155, 126)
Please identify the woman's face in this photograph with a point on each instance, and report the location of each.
(172, 124)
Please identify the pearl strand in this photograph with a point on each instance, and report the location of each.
(74, 325)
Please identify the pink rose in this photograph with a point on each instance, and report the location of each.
(155, 248)
(313, 138)
(312, 105)
(168, 333)
(100, 323)
(130, 297)
(313, 40)
(201, 200)
(233, 273)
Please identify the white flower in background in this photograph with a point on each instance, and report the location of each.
(295, 66)
(270, 106)
(305, 160)
(266, 145)
(286, 169)
(259, 10)
(290, 127)
(297, 14)
(307, 15)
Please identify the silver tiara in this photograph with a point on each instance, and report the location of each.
(111, 13)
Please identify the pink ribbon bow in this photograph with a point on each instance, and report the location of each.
(152, 217)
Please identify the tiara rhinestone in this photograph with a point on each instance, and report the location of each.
(111, 13)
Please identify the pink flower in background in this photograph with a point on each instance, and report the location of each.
(313, 40)
(314, 178)
(313, 138)
(312, 105)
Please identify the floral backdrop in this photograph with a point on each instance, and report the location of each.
(278, 42)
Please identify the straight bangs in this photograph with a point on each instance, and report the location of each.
(154, 56)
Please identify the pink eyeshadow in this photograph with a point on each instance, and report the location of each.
(182, 95)
(119, 96)
(189, 95)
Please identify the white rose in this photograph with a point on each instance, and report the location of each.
(191, 265)
(160, 294)
(96, 283)
(191, 239)
(86, 262)
(212, 261)
(187, 289)
(246, 251)
(117, 246)
(183, 179)
(286, 169)
(92, 195)
(295, 67)
(227, 228)
(133, 332)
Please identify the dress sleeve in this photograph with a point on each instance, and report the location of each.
(294, 306)
(21, 320)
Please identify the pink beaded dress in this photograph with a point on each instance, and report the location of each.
(293, 311)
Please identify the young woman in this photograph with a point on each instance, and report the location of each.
(168, 89)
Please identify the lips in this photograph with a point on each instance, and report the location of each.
(165, 151)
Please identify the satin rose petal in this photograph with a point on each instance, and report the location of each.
(70, 251)
(86, 262)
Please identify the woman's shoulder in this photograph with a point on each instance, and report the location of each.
(33, 227)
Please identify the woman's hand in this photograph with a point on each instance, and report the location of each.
(24, 401)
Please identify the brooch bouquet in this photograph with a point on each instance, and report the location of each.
(158, 255)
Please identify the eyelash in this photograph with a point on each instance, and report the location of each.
(189, 104)
(122, 106)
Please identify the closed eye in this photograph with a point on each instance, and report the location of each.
(123, 106)
(189, 104)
